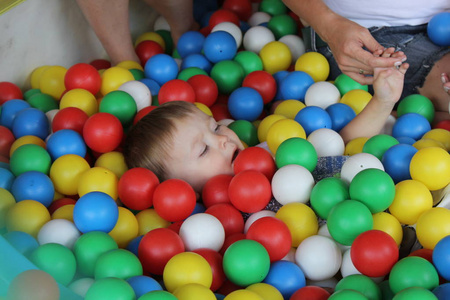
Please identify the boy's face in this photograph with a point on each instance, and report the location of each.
(202, 149)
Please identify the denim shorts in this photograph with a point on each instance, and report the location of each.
(420, 51)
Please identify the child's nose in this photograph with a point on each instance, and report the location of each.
(223, 139)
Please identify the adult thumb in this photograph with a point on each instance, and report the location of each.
(372, 45)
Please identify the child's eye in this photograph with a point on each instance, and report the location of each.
(204, 151)
(217, 128)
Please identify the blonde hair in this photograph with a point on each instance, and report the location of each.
(148, 142)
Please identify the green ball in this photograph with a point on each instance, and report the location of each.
(27, 95)
(228, 75)
(246, 262)
(137, 74)
(167, 37)
(249, 61)
(120, 104)
(57, 260)
(282, 25)
(418, 104)
(119, 263)
(413, 271)
(110, 288)
(187, 73)
(43, 102)
(415, 293)
(158, 295)
(373, 187)
(378, 144)
(296, 151)
(344, 84)
(361, 283)
(326, 194)
(89, 247)
(347, 220)
(30, 157)
(246, 131)
(347, 295)
(273, 7)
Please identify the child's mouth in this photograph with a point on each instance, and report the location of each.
(235, 154)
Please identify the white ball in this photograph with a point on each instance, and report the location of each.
(202, 230)
(81, 286)
(292, 183)
(323, 231)
(347, 267)
(257, 215)
(322, 94)
(295, 44)
(232, 29)
(358, 162)
(319, 257)
(329, 283)
(388, 125)
(51, 114)
(161, 24)
(139, 91)
(257, 37)
(258, 17)
(327, 142)
(290, 256)
(59, 231)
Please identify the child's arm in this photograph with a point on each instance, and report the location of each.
(388, 85)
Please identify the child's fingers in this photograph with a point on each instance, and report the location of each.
(388, 52)
(444, 78)
(403, 68)
(397, 54)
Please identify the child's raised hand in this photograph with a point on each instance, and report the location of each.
(445, 82)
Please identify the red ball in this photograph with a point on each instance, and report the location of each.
(136, 187)
(242, 8)
(231, 218)
(223, 15)
(263, 82)
(174, 200)
(229, 240)
(250, 191)
(60, 203)
(143, 112)
(100, 64)
(374, 253)
(70, 118)
(103, 132)
(215, 190)
(6, 140)
(220, 111)
(157, 247)
(176, 90)
(273, 234)
(255, 158)
(9, 91)
(83, 76)
(147, 49)
(444, 124)
(424, 253)
(214, 259)
(205, 88)
(310, 292)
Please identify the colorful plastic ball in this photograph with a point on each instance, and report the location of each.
(119, 104)
(266, 291)
(341, 114)
(355, 146)
(30, 121)
(289, 108)
(312, 118)
(142, 284)
(249, 191)
(176, 90)
(148, 219)
(263, 82)
(441, 257)
(36, 76)
(205, 89)
(118, 263)
(379, 144)
(438, 29)
(33, 284)
(265, 125)
(30, 157)
(161, 68)
(215, 190)
(142, 113)
(285, 187)
(245, 103)
(158, 295)
(286, 277)
(358, 163)
(202, 230)
(126, 228)
(315, 64)
(281, 131)
(103, 132)
(295, 85)
(6, 178)
(229, 216)
(114, 77)
(81, 99)
(113, 161)
(310, 292)
(418, 104)
(65, 173)
(83, 76)
(187, 73)
(43, 102)
(241, 294)
(9, 91)
(69, 118)
(415, 293)
(357, 99)
(348, 295)
(138, 91)
(344, 83)
(326, 194)
(222, 15)
(33, 185)
(232, 29)
(65, 141)
(136, 188)
(249, 61)
(6, 202)
(9, 111)
(360, 283)
(246, 132)
(256, 38)
(58, 231)
(389, 224)
(396, 161)
(431, 166)
(196, 60)
(327, 142)
(214, 259)
(98, 179)
(411, 125)
(192, 291)
(442, 291)
(147, 49)
(300, 219)
(25, 140)
(51, 81)
(219, 46)
(151, 36)
(242, 9)
(439, 135)
(275, 57)
(100, 64)
(432, 226)
(228, 75)
(246, 262)
(259, 18)
(319, 257)
(27, 216)
(413, 271)
(108, 288)
(282, 25)
(255, 158)
(322, 94)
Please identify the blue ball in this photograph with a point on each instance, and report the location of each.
(295, 85)
(31, 121)
(312, 118)
(66, 141)
(6, 179)
(9, 111)
(133, 245)
(219, 45)
(161, 68)
(278, 76)
(196, 61)
(152, 85)
(245, 103)
(442, 292)
(438, 29)
(396, 161)
(406, 140)
(95, 211)
(33, 185)
(142, 284)
(23, 242)
(341, 114)
(190, 42)
(411, 125)
(441, 257)
(286, 277)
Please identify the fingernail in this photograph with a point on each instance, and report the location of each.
(446, 89)
(404, 59)
(397, 64)
(443, 79)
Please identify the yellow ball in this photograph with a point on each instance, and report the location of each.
(431, 166)
(425, 143)
(315, 64)
(289, 108)
(27, 216)
(80, 98)
(194, 291)
(126, 229)
(275, 56)
(51, 81)
(25, 140)
(113, 161)
(265, 124)
(185, 268)
(36, 76)
(148, 220)
(265, 291)
(243, 295)
(113, 78)
(98, 179)
(130, 64)
(282, 130)
(355, 146)
(432, 226)
(356, 99)
(204, 108)
(440, 135)
(151, 36)
(6, 202)
(389, 224)
(64, 212)
(66, 171)
(300, 219)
